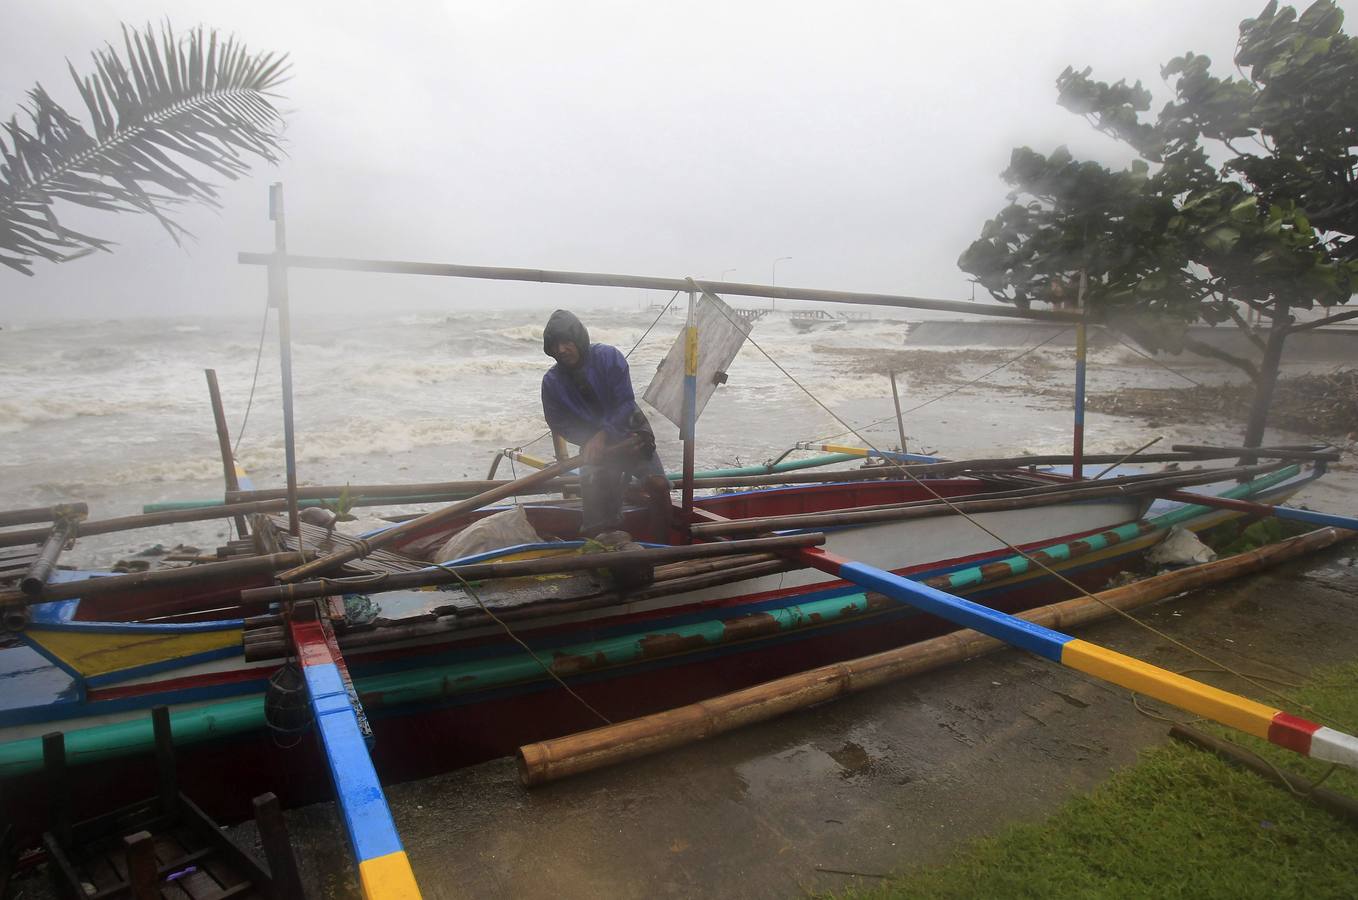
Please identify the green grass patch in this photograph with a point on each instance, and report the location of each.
(1178, 823)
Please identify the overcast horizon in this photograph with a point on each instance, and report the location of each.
(862, 144)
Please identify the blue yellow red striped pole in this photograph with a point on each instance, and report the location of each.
(1274, 725)
(384, 871)
(690, 429)
(1078, 438)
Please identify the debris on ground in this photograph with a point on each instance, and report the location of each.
(1324, 404)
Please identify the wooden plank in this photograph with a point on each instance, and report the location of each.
(165, 763)
(273, 835)
(65, 874)
(141, 866)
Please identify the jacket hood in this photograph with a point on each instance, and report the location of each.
(564, 326)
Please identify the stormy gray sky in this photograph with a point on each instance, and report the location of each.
(861, 139)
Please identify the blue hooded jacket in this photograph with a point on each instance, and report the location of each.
(602, 372)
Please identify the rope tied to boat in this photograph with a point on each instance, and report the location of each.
(466, 586)
(1031, 558)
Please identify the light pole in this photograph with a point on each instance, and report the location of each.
(723, 274)
(774, 279)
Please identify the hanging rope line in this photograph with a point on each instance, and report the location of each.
(1117, 337)
(946, 394)
(259, 355)
(1016, 550)
(516, 639)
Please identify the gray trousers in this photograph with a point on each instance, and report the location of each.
(601, 488)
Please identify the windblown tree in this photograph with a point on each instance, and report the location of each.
(170, 115)
(1241, 207)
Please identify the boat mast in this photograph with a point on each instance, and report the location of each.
(278, 297)
(689, 432)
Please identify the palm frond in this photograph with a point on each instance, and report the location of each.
(166, 118)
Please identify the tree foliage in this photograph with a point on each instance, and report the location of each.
(165, 117)
(1244, 191)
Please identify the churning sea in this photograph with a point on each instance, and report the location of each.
(115, 413)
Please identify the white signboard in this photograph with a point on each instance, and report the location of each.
(720, 335)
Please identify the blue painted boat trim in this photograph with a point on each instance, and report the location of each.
(367, 819)
(1010, 629)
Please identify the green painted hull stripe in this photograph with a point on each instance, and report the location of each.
(87, 745)
(973, 576)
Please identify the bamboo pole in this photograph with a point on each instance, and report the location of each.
(1293, 453)
(435, 575)
(896, 403)
(466, 488)
(647, 282)
(454, 490)
(271, 645)
(224, 443)
(63, 532)
(189, 575)
(573, 754)
(42, 514)
(1014, 500)
(146, 520)
(438, 517)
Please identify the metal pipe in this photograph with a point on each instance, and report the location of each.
(278, 296)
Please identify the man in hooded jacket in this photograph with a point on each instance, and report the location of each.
(587, 399)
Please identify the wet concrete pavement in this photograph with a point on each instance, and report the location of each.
(864, 785)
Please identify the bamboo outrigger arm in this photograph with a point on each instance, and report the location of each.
(1274, 725)
(650, 282)
(584, 751)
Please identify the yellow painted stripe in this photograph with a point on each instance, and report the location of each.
(691, 351)
(100, 654)
(1220, 706)
(835, 448)
(388, 878)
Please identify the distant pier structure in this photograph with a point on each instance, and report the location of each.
(749, 315)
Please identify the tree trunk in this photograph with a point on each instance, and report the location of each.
(1267, 380)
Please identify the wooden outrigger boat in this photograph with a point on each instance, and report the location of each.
(411, 664)
(443, 684)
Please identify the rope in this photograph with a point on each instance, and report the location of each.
(259, 355)
(1117, 337)
(945, 394)
(1017, 551)
(514, 637)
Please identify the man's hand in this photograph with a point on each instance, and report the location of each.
(593, 451)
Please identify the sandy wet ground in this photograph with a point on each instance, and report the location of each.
(848, 791)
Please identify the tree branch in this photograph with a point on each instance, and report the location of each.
(1316, 323)
(1208, 350)
(1254, 338)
